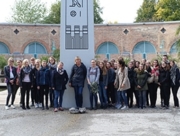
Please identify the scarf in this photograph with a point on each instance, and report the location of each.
(52, 65)
(173, 74)
(60, 71)
(27, 70)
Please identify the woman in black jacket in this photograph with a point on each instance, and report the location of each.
(77, 78)
(59, 81)
(164, 83)
(10, 75)
(26, 83)
(175, 77)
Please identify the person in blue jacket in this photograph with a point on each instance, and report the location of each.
(44, 83)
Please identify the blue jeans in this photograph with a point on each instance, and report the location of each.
(78, 96)
(58, 98)
(102, 94)
(142, 98)
(122, 97)
(91, 95)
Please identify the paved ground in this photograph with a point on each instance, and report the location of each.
(132, 122)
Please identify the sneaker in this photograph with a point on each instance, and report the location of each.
(55, 110)
(40, 105)
(124, 107)
(119, 106)
(36, 105)
(12, 106)
(61, 109)
(6, 107)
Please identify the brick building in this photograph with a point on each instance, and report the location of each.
(140, 40)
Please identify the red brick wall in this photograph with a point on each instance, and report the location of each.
(103, 33)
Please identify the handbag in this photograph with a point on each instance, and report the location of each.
(156, 78)
(150, 79)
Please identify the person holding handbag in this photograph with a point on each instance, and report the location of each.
(154, 85)
(141, 86)
(124, 85)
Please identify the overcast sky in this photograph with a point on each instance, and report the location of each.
(122, 11)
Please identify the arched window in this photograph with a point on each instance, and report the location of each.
(35, 48)
(173, 48)
(4, 48)
(144, 48)
(107, 48)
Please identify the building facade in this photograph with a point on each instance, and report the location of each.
(137, 40)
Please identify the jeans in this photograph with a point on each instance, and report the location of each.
(142, 98)
(78, 96)
(102, 94)
(91, 95)
(122, 96)
(11, 91)
(174, 91)
(111, 93)
(58, 98)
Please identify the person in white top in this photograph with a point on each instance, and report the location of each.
(10, 75)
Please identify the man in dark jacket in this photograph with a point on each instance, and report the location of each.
(77, 78)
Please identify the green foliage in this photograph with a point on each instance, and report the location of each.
(168, 10)
(127, 60)
(44, 58)
(146, 11)
(56, 54)
(28, 11)
(178, 42)
(159, 58)
(97, 12)
(54, 16)
(3, 62)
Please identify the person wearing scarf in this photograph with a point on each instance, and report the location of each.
(10, 75)
(58, 83)
(26, 83)
(175, 77)
(154, 85)
(52, 66)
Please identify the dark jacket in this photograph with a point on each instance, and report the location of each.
(103, 78)
(131, 73)
(22, 75)
(111, 75)
(140, 79)
(78, 75)
(164, 77)
(177, 78)
(44, 77)
(59, 81)
(7, 73)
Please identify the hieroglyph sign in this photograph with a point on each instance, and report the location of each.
(76, 24)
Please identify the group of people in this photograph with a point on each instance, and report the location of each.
(115, 82)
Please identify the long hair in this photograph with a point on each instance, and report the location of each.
(53, 59)
(24, 63)
(10, 60)
(122, 63)
(38, 61)
(104, 69)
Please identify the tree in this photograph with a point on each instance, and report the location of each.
(54, 15)
(168, 10)
(146, 12)
(28, 11)
(97, 12)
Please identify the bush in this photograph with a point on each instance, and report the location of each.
(3, 62)
(56, 54)
(44, 58)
